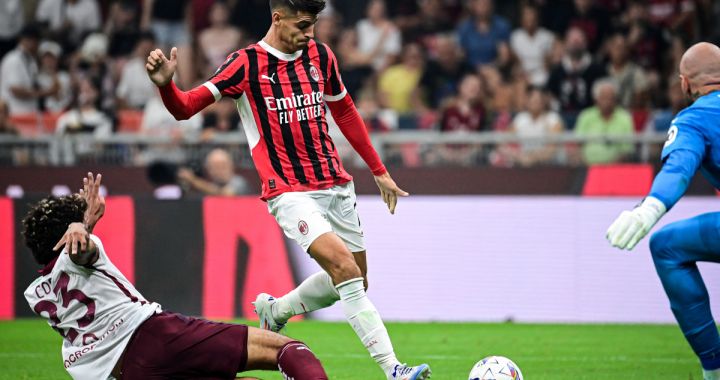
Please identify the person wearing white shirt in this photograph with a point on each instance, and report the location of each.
(51, 75)
(12, 20)
(74, 17)
(135, 89)
(378, 36)
(18, 75)
(532, 45)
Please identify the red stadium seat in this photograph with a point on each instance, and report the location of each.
(34, 124)
(129, 121)
(618, 180)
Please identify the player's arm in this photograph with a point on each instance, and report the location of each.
(353, 128)
(78, 245)
(181, 104)
(682, 155)
(95, 201)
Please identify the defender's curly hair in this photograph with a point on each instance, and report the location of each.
(310, 6)
(47, 221)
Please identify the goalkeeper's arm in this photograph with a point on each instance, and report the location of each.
(669, 186)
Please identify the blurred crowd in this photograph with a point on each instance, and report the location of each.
(531, 68)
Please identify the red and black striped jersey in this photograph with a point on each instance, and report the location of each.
(281, 99)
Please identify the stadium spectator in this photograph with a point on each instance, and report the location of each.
(221, 117)
(466, 112)
(674, 15)
(244, 16)
(219, 176)
(69, 21)
(327, 29)
(593, 20)
(19, 71)
(51, 75)
(398, 85)
(6, 127)
(356, 66)
(535, 122)
(93, 62)
(12, 20)
(170, 22)
(424, 25)
(645, 40)
(122, 28)
(134, 89)
(442, 73)
(376, 118)
(158, 121)
(217, 40)
(571, 81)
(605, 119)
(484, 36)
(378, 36)
(629, 77)
(662, 119)
(532, 45)
(85, 117)
(503, 98)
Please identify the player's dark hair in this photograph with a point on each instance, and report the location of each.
(47, 221)
(310, 6)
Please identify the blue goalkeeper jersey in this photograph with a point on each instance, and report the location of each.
(693, 142)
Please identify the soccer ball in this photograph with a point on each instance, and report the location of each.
(495, 368)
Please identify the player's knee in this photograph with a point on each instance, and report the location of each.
(345, 270)
(661, 244)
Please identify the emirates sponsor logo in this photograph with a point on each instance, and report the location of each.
(296, 107)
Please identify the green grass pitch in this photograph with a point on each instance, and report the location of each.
(29, 349)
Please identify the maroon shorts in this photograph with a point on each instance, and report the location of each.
(174, 346)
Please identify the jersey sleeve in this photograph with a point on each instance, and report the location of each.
(229, 79)
(334, 87)
(686, 133)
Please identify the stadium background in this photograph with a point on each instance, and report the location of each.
(506, 220)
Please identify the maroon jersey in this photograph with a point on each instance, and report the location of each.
(281, 98)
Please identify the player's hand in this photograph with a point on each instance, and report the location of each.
(159, 68)
(75, 237)
(95, 201)
(631, 226)
(389, 191)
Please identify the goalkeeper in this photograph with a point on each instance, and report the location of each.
(693, 143)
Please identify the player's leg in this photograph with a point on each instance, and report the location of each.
(675, 250)
(269, 351)
(361, 260)
(335, 258)
(302, 218)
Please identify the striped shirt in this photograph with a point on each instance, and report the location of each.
(281, 99)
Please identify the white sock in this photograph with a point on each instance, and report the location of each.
(316, 292)
(711, 375)
(366, 322)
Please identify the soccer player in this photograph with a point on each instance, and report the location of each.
(111, 331)
(693, 143)
(281, 86)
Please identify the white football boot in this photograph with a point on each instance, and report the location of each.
(263, 308)
(403, 372)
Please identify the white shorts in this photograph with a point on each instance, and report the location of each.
(306, 215)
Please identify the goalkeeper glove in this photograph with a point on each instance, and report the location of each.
(631, 226)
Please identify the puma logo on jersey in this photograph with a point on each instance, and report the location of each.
(270, 78)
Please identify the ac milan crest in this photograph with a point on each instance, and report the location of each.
(303, 227)
(314, 73)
